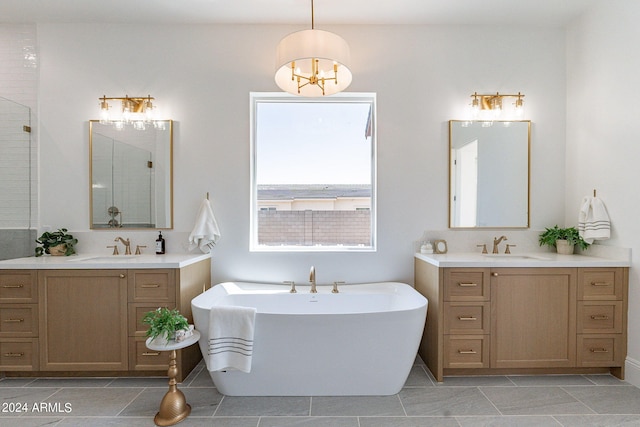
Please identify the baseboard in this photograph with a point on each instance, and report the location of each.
(632, 372)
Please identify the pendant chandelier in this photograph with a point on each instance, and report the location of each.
(313, 62)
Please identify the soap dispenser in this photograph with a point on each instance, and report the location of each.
(160, 244)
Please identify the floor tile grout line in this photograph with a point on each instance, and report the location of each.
(490, 401)
(578, 400)
(402, 404)
(557, 420)
(131, 401)
(218, 406)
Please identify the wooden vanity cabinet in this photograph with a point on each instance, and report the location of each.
(89, 322)
(83, 319)
(602, 318)
(533, 314)
(18, 320)
(523, 320)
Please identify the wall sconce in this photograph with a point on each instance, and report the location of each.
(492, 104)
(313, 62)
(137, 111)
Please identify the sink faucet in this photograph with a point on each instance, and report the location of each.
(496, 242)
(126, 243)
(312, 280)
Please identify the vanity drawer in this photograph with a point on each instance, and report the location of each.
(466, 351)
(600, 350)
(599, 317)
(137, 312)
(466, 284)
(600, 284)
(144, 359)
(157, 286)
(19, 354)
(18, 320)
(466, 318)
(18, 286)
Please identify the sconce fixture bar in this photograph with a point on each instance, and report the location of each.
(135, 109)
(494, 100)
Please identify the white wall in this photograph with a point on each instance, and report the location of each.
(201, 77)
(603, 146)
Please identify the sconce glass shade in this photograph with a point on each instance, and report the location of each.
(313, 63)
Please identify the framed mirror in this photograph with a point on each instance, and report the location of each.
(131, 175)
(489, 174)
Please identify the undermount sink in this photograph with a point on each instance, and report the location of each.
(514, 257)
(112, 258)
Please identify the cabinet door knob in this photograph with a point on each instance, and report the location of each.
(122, 276)
(494, 274)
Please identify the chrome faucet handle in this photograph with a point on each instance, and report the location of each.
(484, 248)
(293, 286)
(335, 287)
(508, 250)
(138, 251)
(115, 249)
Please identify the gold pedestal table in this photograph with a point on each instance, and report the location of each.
(174, 407)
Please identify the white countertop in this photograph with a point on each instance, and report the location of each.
(101, 261)
(546, 259)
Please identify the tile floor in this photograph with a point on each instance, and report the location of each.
(573, 400)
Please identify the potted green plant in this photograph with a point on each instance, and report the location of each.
(56, 243)
(163, 324)
(563, 239)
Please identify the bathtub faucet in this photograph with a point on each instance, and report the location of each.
(312, 280)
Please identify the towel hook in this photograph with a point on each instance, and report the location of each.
(208, 194)
(594, 192)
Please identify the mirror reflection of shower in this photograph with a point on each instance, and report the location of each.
(131, 176)
(122, 180)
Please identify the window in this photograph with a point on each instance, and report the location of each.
(312, 172)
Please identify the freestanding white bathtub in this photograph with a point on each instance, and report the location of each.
(361, 341)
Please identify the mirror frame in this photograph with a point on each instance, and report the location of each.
(171, 208)
(450, 146)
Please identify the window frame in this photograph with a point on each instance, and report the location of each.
(275, 97)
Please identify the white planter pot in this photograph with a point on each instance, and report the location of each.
(563, 247)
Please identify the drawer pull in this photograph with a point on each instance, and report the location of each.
(467, 318)
(13, 354)
(150, 285)
(13, 286)
(599, 284)
(13, 320)
(151, 353)
(467, 352)
(599, 350)
(600, 317)
(467, 285)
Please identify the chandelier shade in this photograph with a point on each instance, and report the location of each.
(313, 63)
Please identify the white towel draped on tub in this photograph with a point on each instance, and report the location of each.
(593, 220)
(205, 233)
(231, 338)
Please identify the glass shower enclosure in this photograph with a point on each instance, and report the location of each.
(17, 178)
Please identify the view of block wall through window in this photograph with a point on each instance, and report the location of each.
(313, 165)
